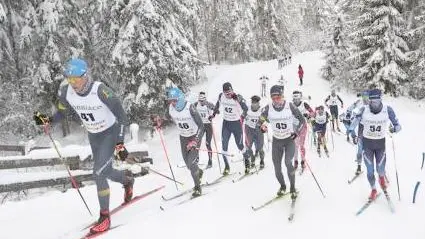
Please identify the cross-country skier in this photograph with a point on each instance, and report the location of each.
(307, 112)
(346, 118)
(280, 115)
(104, 118)
(320, 120)
(359, 104)
(281, 82)
(263, 80)
(191, 130)
(205, 109)
(332, 103)
(234, 110)
(373, 126)
(253, 132)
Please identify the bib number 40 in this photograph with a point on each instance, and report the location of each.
(183, 126)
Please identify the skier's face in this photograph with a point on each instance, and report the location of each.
(228, 93)
(255, 106)
(172, 102)
(202, 102)
(77, 82)
(277, 100)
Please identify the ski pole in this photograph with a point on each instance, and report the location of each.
(395, 166)
(165, 176)
(215, 144)
(73, 181)
(332, 137)
(215, 152)
(318, 185)
(158, 129)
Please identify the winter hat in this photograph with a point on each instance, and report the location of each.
(297, 94)
(202, 96)
(255, 99)
(227, 86)
(375, 94)
(276, 90)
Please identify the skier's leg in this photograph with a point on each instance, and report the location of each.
(208, 135)
(381, 160)
(277, 153)
(225, 136)
(289, 154)
(368, 155)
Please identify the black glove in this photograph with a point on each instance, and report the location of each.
(41, 119)
(293, 135)
(211, 117)
(234, 96)
(121, 152)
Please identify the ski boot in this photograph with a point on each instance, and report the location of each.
(293, 193)
(247, 164)
(383, 183)
(326, 152)
(252, 161)
(128, 186)
(373, 195)
(318, 152)
(103, 223)
(354, 139)
(348, 138)
(295, 164)
(261, 164)
(197, 191)
(281, 191)
(200, 174)
(226, 170)
(302, 165)
(209, 165)
(359, 169)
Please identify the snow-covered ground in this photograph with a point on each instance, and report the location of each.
(225, 211)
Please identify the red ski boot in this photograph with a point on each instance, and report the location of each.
(383, 183)
(103, 224)
(373, 195)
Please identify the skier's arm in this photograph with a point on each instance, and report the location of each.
(264, 115)
(297, 114)
(198, 120)
(243, 105)
(340, 100)
(309, 109)
(217, 106)
(64, 108)
(357, 119)
(394, 121)
(210, 106)
(327, 99)
(108, 97)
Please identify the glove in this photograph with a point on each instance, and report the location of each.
(121, 152)
(191, 144)
(234, 96)
(156, 121)
(211, 117)
(342, 106)
(41, 119)
(395, 129)
(263, 128)
(293, 135)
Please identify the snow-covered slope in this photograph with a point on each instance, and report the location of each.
(225, 211)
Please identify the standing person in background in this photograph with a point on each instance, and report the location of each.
(373, 119)
(205, 109)
(280, 114)
(307, 112)
(281, 82)
(333, 99)
(263, 80)
(234, 111)
(300, 74)
(253, 132)
(290, 59)
(103, 116)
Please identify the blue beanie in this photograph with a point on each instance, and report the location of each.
(375, 94)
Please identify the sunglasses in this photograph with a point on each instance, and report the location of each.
(74, 79)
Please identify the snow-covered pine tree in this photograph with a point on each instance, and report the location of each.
(380, 59)
(416, 34)
(151, 50)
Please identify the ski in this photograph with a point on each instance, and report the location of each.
(276, 198)
(219, 179)
(350, 181)
(124, 205)
(245, 175)
(367, 204)
(292, 210)
(390, 202)
(185, 200)
(94, 235)
(184, 165)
